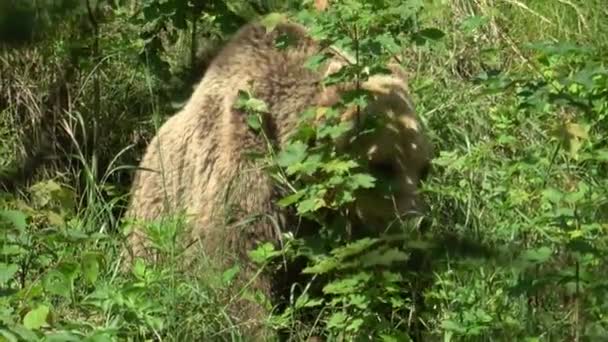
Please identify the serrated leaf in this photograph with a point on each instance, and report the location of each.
(262, 253)
(362, 180)
(292, 154)
(36, 318)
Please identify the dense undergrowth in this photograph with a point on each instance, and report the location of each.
(514, 96)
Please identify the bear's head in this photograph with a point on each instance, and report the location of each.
(388, 137)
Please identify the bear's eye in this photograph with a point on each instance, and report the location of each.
(383, 169)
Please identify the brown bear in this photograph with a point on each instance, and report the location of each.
(196, 163)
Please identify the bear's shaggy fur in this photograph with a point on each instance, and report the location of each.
(195, 163)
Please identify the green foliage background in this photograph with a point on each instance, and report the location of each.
(513, 94)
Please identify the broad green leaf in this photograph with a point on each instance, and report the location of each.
(36, 318)
(17, 218)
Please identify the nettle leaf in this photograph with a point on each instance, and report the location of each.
(36, 318)
(325, 265)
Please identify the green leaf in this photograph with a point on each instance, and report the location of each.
(377, 257)
(348, 285)
(553, 195)
(254, 122)
(337, 320)
(292, 154)
(428, 34)
(304, 301)
(271, 20)
(7, 271)
(355, 324)
(310, 205)
(354, 247)
(291, 199)
(323, 266)
(57, 283)
(262, 253)
(36, 318)
(229, 274)
(537, 256)
(17, 218)
(90, 267)
(362, 180)
(472, 23)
